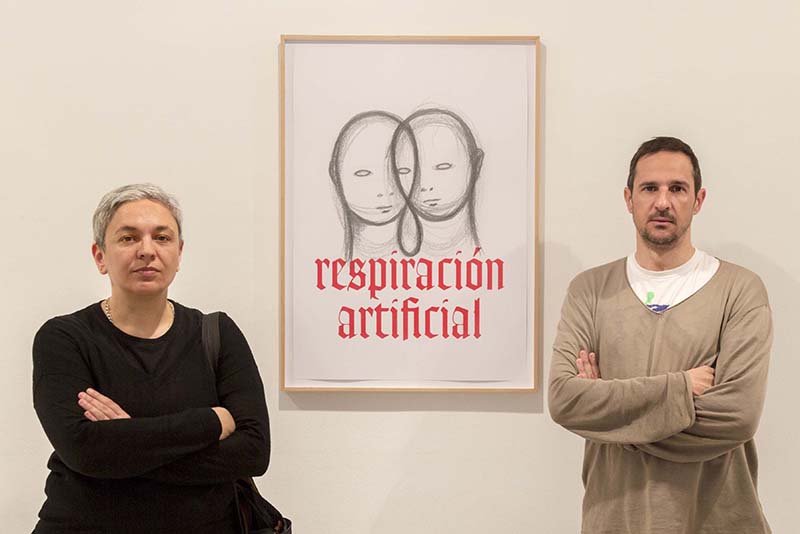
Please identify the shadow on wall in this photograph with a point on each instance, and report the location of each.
(369, 401)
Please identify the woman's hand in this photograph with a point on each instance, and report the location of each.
(98, 407)
(226, 420)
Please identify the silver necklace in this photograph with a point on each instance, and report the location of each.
(107, 309)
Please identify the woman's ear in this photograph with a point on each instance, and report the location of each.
(99, 256)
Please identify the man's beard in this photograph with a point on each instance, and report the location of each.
(665, 241)
(661, 242)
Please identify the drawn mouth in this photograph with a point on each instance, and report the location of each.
(432, 202)
(384, 209)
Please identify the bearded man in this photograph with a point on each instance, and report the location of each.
(660, 363)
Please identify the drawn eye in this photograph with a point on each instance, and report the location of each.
(403, 170)
(443, 166)
(362, 172)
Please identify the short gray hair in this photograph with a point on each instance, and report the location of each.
(112, 200)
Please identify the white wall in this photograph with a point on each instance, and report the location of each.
(95, 94)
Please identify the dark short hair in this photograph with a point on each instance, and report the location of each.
(666, 144)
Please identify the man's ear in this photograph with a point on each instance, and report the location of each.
(699, 199)
(628, 194)
(99, 258)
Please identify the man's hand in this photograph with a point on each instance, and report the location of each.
(98, 407)
(702, 378)
(587, 365)
(226, 420)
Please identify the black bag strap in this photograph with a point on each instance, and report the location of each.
(210, 334)
(245, 489)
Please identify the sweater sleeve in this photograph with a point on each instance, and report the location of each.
(245, 452)
(93, 449)
(627, 411)
(728, 412)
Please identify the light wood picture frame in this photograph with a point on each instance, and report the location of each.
(409, 213)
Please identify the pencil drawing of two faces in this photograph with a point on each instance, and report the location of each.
(384, 167)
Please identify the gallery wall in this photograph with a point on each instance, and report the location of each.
(96, 94)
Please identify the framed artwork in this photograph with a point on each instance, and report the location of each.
(409, 213)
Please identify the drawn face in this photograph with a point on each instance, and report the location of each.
(663, 199)
(404, 159)
(445, 169)
(367, 182)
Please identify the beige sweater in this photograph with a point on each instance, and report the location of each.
(657, 460)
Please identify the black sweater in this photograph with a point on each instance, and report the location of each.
(163, 470)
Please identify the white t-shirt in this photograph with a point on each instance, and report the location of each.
(659, 290)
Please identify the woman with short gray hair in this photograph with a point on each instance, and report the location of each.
(148, 433)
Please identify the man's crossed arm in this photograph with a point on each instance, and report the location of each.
(701, 377)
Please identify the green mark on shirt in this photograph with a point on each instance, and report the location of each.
(650, 297)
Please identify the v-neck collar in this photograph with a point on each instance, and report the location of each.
(632, 293)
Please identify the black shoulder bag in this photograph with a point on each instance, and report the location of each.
(256, 514)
